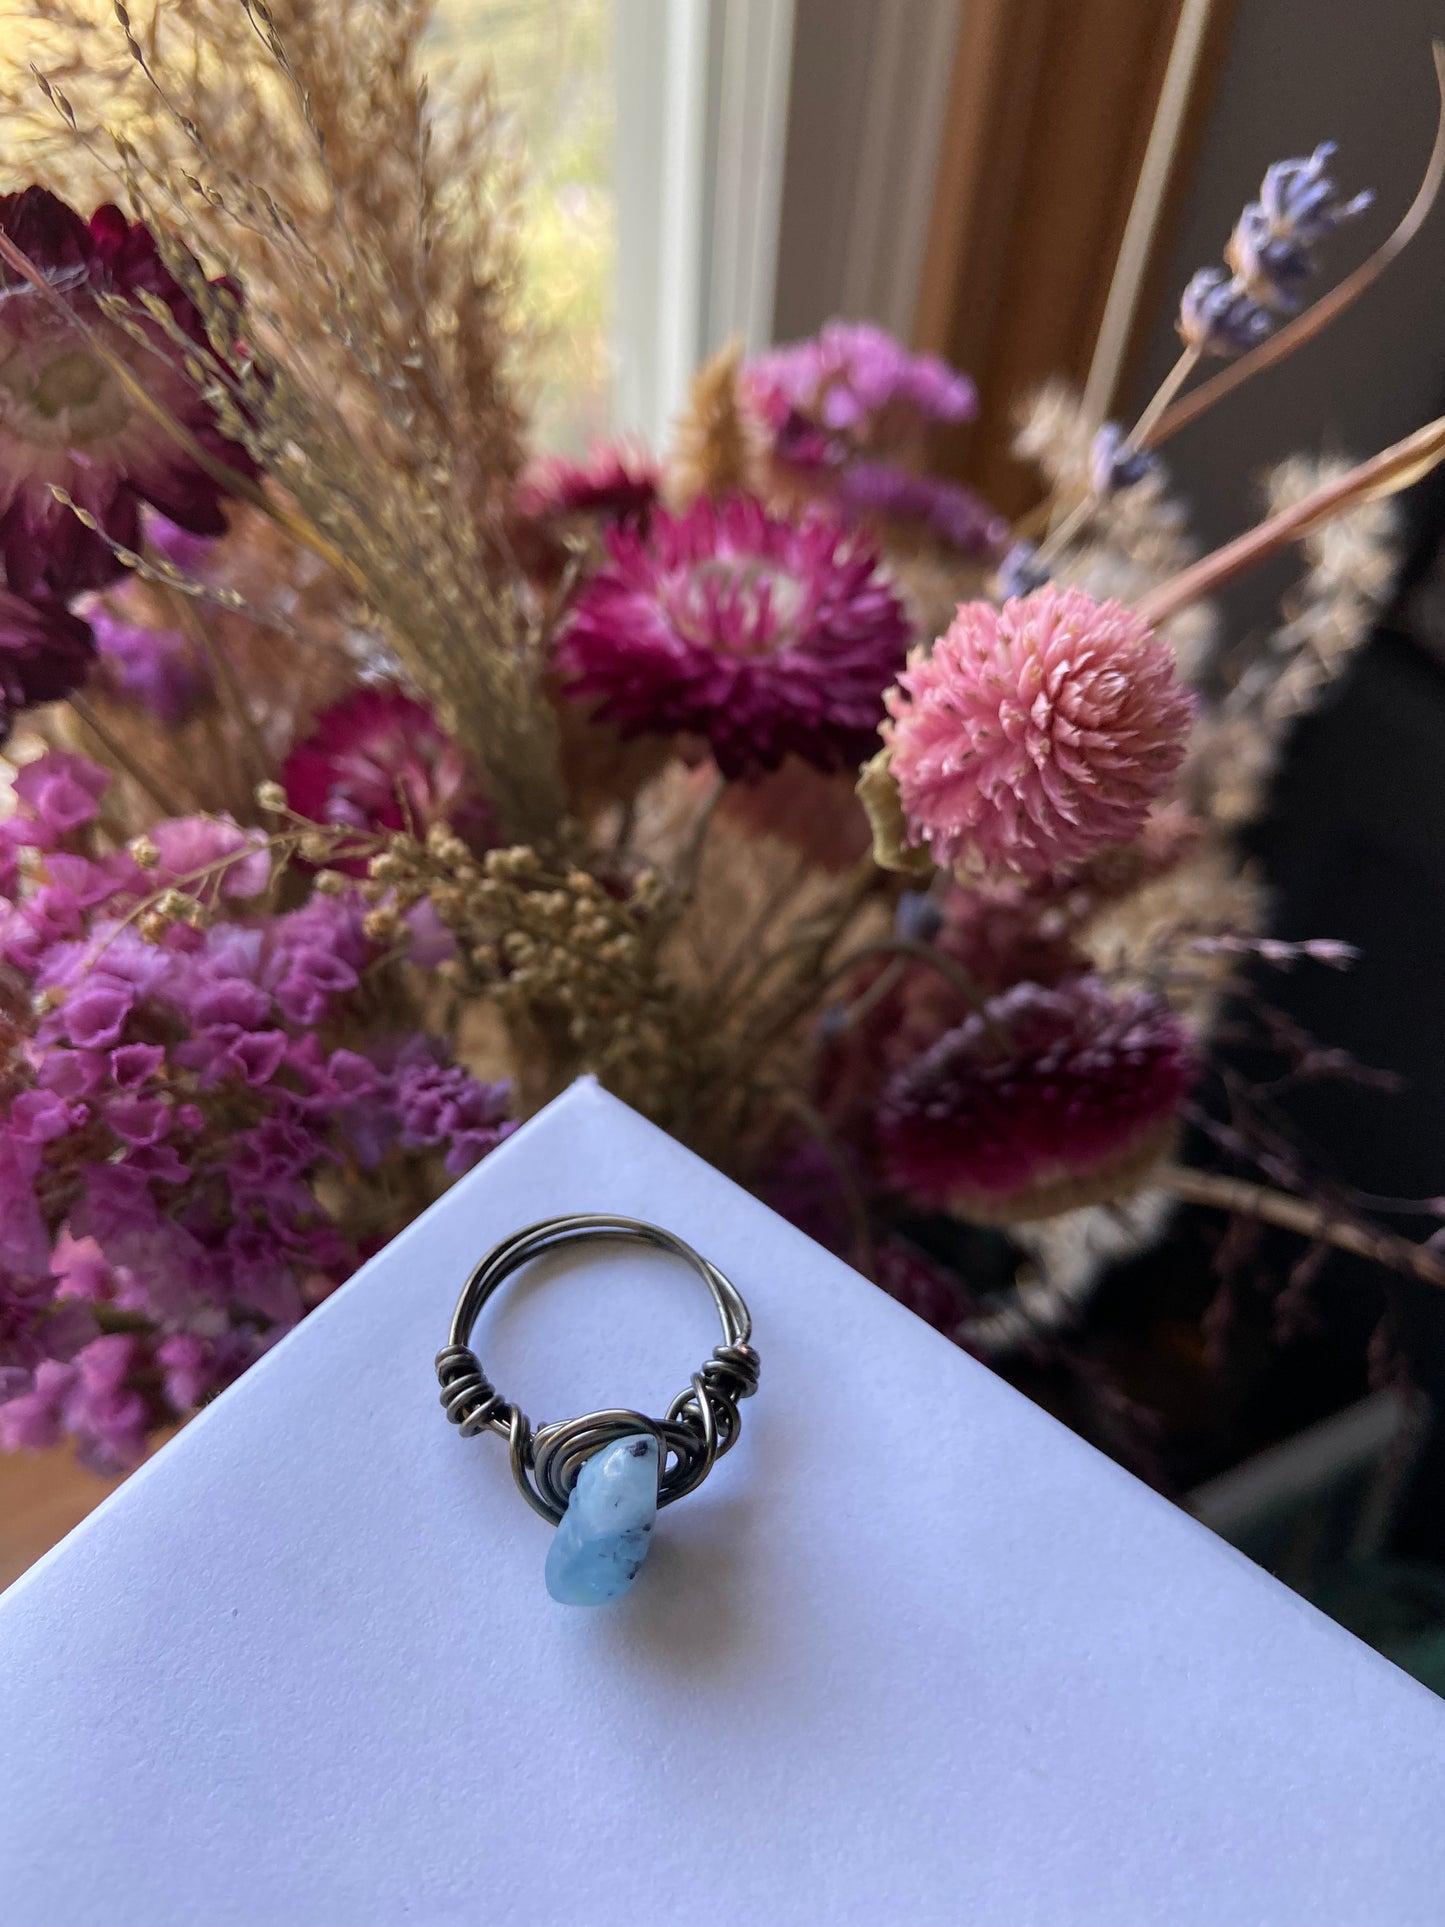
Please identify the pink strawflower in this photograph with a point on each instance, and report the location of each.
(1048, 1099)
(1036, 734)
(380, 760)
(66, 419)
(617, 482)
(762, 636)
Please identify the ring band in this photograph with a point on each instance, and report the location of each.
(700, 1425)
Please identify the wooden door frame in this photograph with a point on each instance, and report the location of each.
(1051, 107)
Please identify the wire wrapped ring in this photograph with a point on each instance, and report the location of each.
(701, 1423)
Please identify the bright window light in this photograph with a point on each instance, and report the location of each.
(553, 62)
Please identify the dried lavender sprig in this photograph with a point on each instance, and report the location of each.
(1170, 419)
(1272, 248)
(1271, 255)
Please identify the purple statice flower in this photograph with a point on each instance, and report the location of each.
(952, 513)
(88, 1398)
(181, 1125)
(850, 374)
(57, 793)
(441, 1105)
(839, 408)
(155, 669)
(185, 552)
(190, 846)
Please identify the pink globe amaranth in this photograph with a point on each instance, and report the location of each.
(66, 418)
(1035, 735)
(1046, 1100)
(379, 760)
(762, 636)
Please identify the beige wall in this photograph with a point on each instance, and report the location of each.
(869, 89)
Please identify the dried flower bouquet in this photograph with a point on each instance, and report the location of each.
(371, 779)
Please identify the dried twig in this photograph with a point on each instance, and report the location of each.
(1241, 1199)
(1398, 467)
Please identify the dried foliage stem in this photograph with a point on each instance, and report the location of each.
(118, 753)
(812, 948)
(1393, 469)
(947, 967)
(189, 618)
(230, 479)
(1244, 1200)
(379, 318)
(1142, 435)
(865, 1253)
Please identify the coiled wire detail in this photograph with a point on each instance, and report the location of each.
(701, 1424)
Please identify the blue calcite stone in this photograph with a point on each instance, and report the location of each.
(607, 1527)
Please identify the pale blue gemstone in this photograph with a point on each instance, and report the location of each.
(602, 1541)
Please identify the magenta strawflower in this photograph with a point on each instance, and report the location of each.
(762, 636)
(67, 420)
(617, 483)
(380, 760)
(1036, 734)
(1048, 1099)
(45, 651)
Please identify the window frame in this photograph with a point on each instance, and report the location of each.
(702, 89)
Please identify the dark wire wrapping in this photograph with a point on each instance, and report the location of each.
(701, 1424)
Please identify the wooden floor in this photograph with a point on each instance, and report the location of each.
(42, 1495)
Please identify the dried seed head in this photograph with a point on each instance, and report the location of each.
(382, 925)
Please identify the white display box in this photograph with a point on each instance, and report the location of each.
(913, 1654)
